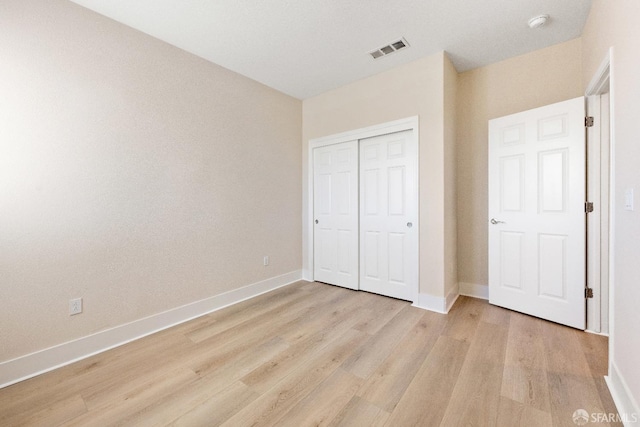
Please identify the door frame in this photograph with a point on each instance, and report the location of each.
(599, 313)
(408, 123)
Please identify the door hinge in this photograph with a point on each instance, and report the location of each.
(588, 293)
(588, 207)
(588, 121)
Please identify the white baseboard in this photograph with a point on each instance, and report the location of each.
(474, 290)
(437, 304)
(30, 365)
(307, 275)
(602, 334)
(625, 403)
(431, 303)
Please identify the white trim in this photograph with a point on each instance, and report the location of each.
(409, 123)
(594, 220)
(612, 203)
(606, 71)
(306, 275)
(627, 407)
(602, 334)
(437, 304)
(474, 290)
(30, 365)
(452, 297)
(620, 392)
(368, 132)
(598, 307)
(431, 303)
(601, 78)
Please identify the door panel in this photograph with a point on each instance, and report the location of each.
(512, 183)
(552, 266)
(335, 205)
(536, 197)
(388, 215)
(511, 259)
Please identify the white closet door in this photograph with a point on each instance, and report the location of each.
(536, 212)
(389, 215)
(335, 206)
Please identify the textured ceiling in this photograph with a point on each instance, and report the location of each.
(307, 47)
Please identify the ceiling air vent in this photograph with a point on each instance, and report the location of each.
(389, 49)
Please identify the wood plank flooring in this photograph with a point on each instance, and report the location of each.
(311, 354)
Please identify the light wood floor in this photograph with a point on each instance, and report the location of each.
(314, 354)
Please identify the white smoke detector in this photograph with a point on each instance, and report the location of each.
(538, 21)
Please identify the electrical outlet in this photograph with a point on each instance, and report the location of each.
(75, 306)
(265, 261)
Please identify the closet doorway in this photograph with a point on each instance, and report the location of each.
(365, 212)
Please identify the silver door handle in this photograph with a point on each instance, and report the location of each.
(409, 224)
(495, 221)
(317, 221)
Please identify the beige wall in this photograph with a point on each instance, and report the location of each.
(132, 174)
(615, 24)
(409, 90)
(518, 84)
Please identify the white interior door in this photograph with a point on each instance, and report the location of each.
(389, 215)
(536, 212)
(335, 206)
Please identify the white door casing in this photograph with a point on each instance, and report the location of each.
(389, 215)
(310, 254)
(335, 192)
(536, 212)
(599, 191)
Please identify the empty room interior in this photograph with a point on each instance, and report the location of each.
(345, 213)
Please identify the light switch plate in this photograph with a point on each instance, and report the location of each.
(628, 199)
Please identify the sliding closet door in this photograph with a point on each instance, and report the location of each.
(335, 207)
(389, 215)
